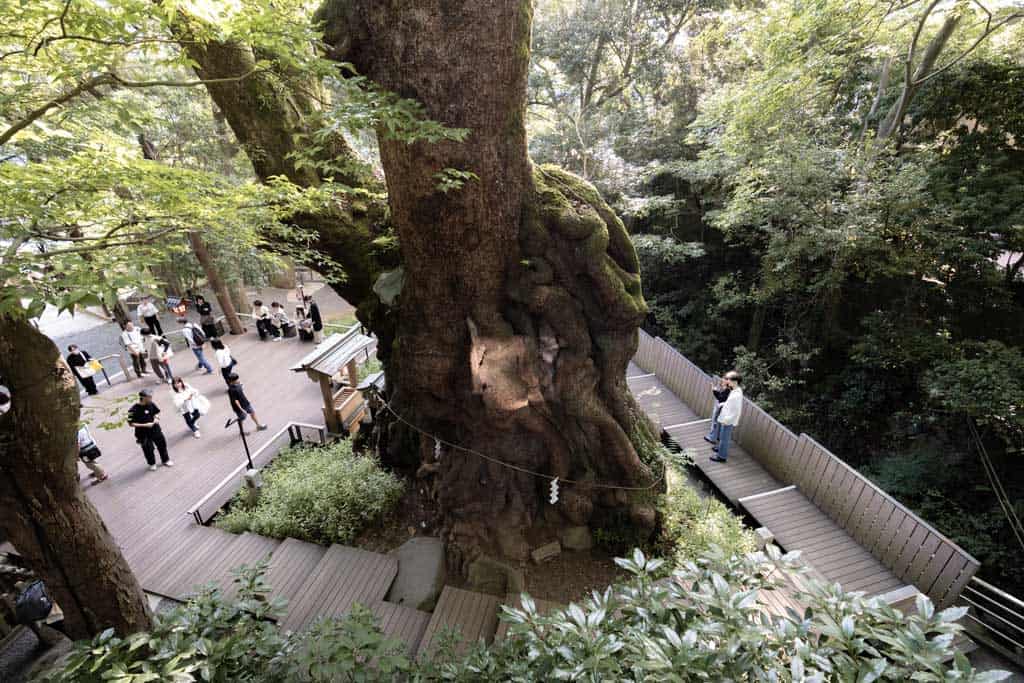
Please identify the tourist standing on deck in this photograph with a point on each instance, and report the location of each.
(190, 403)
(148, 315)
(720, 390)
(224, 359)
(195, 339)
(318, 323)
(88, 452)
(159, 355)
(729, 416)
(144, 416)
(78, 360)
(131, 340)
(240, 404)
(206, 319)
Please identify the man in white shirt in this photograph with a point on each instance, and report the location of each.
(131, 340)
(148, 313)
(729, 416)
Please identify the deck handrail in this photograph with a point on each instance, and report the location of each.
(940, 574)
(220, 494)
(995, 618)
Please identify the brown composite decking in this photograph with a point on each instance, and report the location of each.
(146, 512)
(473, 616)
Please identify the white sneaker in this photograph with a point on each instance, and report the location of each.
(169, 463)
(277, 339)
(196, 434)
(152, 468)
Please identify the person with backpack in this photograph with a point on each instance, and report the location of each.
(159, 354)
(195, 339)
(88, 452)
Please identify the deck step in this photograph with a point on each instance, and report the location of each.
(515, 600)
(473, 615)
(402, 623)
(291, 565)
(249, 548)
(172, 570)
(342, 577)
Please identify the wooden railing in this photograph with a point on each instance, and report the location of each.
(914, 551)
(291, 434)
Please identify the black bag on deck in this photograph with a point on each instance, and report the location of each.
(33, 604)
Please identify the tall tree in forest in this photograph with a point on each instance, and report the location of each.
(45, 512)
(521, 295)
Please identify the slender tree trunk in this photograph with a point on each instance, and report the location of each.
(216, 283)
(44, 511)
(521, 299)
(239, 297)
(202, 254)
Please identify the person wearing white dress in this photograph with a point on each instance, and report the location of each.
(190, 403)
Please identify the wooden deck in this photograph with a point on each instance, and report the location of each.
(172, 555)
(473, 616)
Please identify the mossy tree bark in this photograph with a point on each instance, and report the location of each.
(521, 299)
(43, 510)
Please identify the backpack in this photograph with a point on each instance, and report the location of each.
(198, 338)
(33, 604)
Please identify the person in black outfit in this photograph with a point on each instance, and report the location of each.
(720, 390)
(205, 311)
(144, 417)
(314, 315)
(78, 359)
(240, 403)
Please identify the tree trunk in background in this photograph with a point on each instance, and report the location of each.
(521, 298)
(202, 254)
(239, 297)
(213, 279)
(45, 513)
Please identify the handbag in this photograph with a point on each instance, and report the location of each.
(201, 403)
(86, 371)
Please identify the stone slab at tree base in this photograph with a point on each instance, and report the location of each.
(421, 573)
(576, 538)
(546, 552)
(488, 575)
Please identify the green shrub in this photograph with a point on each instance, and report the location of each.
(322, 495)
(692, 526)
(704, 624)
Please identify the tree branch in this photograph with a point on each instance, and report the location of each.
(32, 116)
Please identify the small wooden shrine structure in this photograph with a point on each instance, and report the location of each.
(335, 363)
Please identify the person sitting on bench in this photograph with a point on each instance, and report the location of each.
(261, 314)
(279, 321)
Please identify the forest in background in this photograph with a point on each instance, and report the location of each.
(828, 196)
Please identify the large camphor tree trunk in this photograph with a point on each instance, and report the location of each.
(521, 297)
(43, 510)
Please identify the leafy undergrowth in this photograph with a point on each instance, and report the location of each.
(705, 624)
(318, 494)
